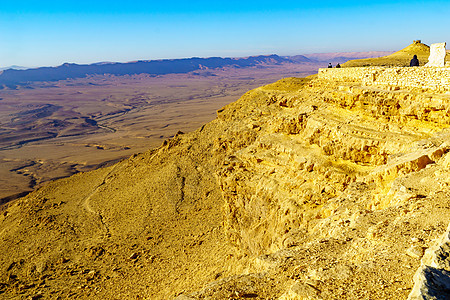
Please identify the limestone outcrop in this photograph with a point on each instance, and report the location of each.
(432, 279)
(302, 189)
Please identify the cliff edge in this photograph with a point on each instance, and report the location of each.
(302, 189)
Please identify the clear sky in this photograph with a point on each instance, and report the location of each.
(49, 33)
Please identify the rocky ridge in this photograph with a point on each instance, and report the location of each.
(14, 78)
(301, 189)
(400, 58)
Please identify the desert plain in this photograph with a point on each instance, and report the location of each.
(50, 130)
(305, 188)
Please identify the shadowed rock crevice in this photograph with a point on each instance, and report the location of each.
(436, 284)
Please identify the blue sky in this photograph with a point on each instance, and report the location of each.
(49, 33)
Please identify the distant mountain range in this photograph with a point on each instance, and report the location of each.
(16, 76)
(341, 57)
(11, 78)
(13, 67)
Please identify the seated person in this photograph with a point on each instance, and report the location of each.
(414, 61)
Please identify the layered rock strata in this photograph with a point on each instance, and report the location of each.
(301, 189)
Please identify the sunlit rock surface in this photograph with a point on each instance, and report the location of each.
(301, 189)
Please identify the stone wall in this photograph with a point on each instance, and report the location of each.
(433, 78)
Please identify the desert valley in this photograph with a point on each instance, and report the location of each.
(52, 128)
(269, 180)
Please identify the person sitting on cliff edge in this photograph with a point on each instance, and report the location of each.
(329, 65)
(414, 61)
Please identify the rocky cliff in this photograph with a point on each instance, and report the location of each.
(301, 189)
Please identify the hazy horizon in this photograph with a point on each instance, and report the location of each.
(130, 61)
(50, 33)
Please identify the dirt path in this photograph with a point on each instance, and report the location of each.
(88, 207)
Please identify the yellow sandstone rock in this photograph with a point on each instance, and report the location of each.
(303, 189)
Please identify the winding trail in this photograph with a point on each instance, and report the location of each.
(85, 202)
(87, 206)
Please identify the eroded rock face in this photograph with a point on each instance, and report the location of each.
(432, 279)
(434, 284)
(301, 156)
(302, 188)
(355, 168)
